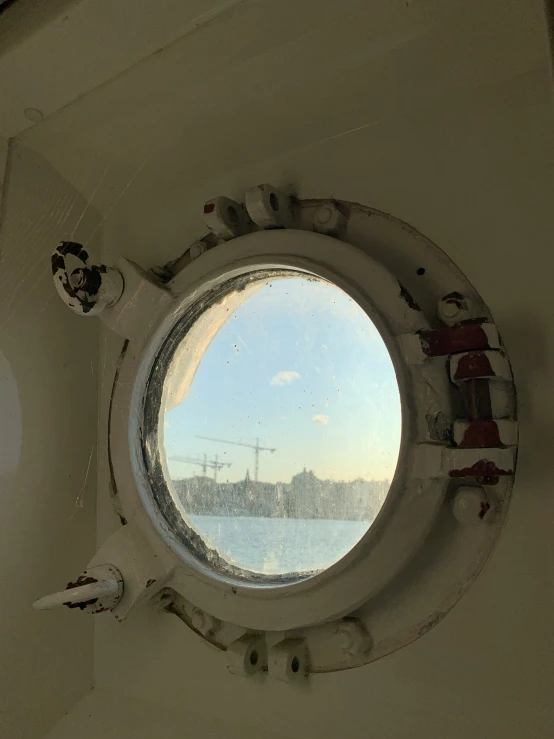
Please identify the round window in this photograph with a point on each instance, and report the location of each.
(255, 429)
(273, 426)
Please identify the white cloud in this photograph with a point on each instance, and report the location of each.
(284, 377)
(321, 419)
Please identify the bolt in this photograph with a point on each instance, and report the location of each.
(86, 279)
(353, 637)
(197, 249)
(324, 215)
(328, 219)
(452, 309)
(470, 505)
(203, 622)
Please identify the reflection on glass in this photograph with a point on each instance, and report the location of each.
(281, 426)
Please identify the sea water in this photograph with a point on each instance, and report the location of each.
(279, 545)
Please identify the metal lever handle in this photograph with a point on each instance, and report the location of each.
(97, 589)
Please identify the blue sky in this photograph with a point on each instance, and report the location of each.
(302, 367)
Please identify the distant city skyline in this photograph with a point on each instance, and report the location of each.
(301, 367)
(304, 496)
(195, 470)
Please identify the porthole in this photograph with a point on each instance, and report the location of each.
(289, 358)
(313, 433)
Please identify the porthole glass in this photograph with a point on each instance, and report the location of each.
(272, 426)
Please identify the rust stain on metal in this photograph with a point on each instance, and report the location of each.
(174, 608)
(407, 298)
(474, 364)
(485, 508)
(83, 604)
(150, 582)
(81, 580)
(481, 434)
(89, 278)
(453, 339)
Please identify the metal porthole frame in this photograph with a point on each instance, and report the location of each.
(452, 486)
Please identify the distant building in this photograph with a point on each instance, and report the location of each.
(306, 496)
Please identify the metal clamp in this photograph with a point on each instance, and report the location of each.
(86, 289)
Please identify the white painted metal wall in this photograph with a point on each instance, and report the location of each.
(48, 407)
(439, 113)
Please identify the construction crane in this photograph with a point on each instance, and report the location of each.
(256, 447)
(213, 464)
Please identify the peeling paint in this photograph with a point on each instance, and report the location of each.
(81, 580)
(447, 340)
(407, 298)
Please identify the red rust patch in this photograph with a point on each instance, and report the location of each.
(209, 207)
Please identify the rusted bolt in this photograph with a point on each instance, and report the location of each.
(470, 505)
(86, 279)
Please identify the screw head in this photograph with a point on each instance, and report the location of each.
(453, 308)
(328, 219)
(353, 637)
(470, 505)
(324, 215)
(450, 309)
(197, 249)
